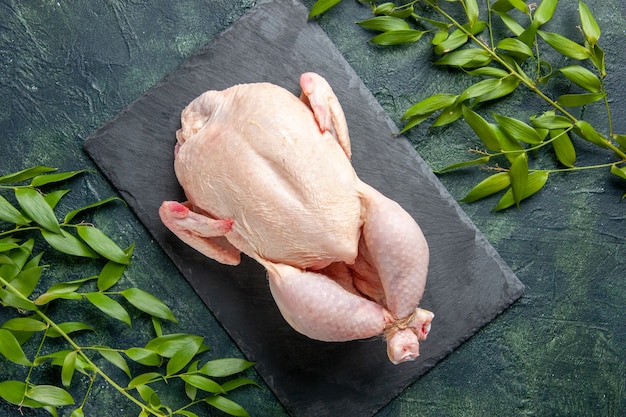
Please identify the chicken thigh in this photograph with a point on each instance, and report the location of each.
(268, 174)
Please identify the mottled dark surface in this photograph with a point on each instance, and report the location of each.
(67, 69)
(468, 283)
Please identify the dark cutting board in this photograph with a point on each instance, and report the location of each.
(468, 283)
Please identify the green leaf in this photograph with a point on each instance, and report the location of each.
(511, 147)
(25, 174)
(390, 9)
(448, 115)
(46, 297)
(597, 58)
(144, 379)
(69, 216)
(397, 37)
(13, 300)
(110, 275)
(536, 181)
(384, 23)
(436, 23)
(144, 356)
(576, 100)
(34, 261)
(203, 383)
(490, 185)
(35, 207)
(439, 37)
(563, 147)
(516, 46)
(480, 88)
(114, 358)
(77, 413)
(156, 324)
(56, 358)
(53, 197)
(430, 105)
(149, 395)
(529, 34)
(238, 382)
(185, 413)
(477, 28)
(109, 306)
(549, 121)
(414, 121)
(620, 172)
(7, 244)
(13, 392)
(24, 324)
(477, 161)
(10, 214)
(489, 72)
(67, 243)
(519, 5)
(6, 260)
(26, 281)
(456, 39)
(471, 8)
(18, 258)
(183, 356)
(520, 72)
(506, 5)
(519, 177)
(511, 23)
(565, 46)
(383, 8)
(11, 349)
(517, 129)
(68, 327)
(582, 77)
(587, 132)
(41, 180)
(190, 390)
(22, 337)
(227, 406)
(590, 27)
(620, 139)
(482, 128)
(321, 6)
(225, 367)
(168, 345)
(102, 244)
(506, 87)
(544, 11)
(50, 395)
(148, 303)
(68, 368)
(466, 58)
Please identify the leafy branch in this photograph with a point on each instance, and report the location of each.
(166, 357)
(500, 65)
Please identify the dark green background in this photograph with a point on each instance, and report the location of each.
(68, 67)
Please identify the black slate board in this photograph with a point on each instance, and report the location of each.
(468, 284)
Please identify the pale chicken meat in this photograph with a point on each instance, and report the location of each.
(268, 174)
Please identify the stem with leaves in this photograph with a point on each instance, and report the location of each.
(49, 323)
(499, 64)
(171, 356)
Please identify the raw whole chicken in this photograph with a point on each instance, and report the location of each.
(268, 174)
